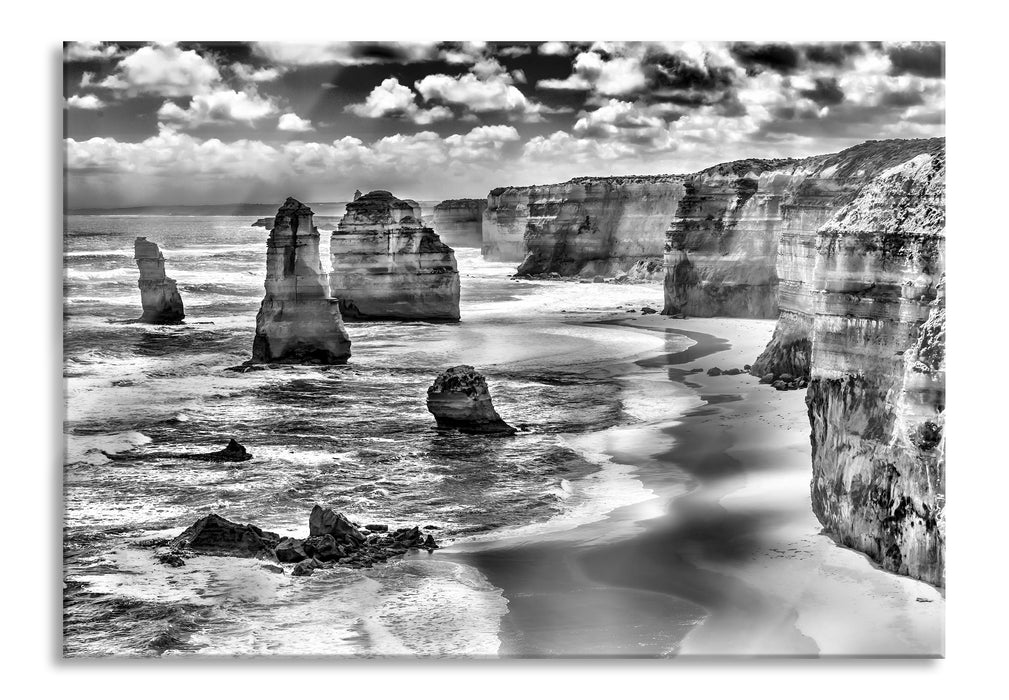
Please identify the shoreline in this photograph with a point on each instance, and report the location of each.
(726, 558)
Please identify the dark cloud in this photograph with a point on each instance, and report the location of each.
(926, 59)
(907, 98)
(834, 54)
(782, 58)
(825, 92)
(672, 79)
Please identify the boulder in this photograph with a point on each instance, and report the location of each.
(779, 385)
(324, 521)
(290, 551)
(459, 399)
(305, 568)
(767, 378)
(323, 548)
(646, 310)
(213, 534)
(714, 372)
(734, 371)
(377, 528)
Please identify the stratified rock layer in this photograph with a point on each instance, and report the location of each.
(298, 321)
(388, 265)
(459, 222)
(459, 400)
(586, 226)
(159, 296)
(876, 396)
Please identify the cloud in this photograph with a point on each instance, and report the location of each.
(89, 51)
(251, 74)
(614, 77)
(90, 102)
(926, 59)
(554, 48)
(825, 91)
(164, 70)
(625, 122)
(515, 51)
(491, 93)
(392, 100)
(220, 106)
(782, 58)
(345, 53)
(292, 122)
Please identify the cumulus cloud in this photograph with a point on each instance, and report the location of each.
(217, 107)
(292, 122)
(89, 51)
(611, 77)
(250, 74)
(164, 70)
(90, 102)
(390, 99)
(554, 48)
(926, 59)
(491, 93)
(515, 51)
(345, 52)
(626, 122)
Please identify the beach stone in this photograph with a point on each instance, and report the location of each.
(779, 385)
(324, 521)
(767, 378)
(290, 551)
(733, 371)
(213, 534)
(746, 368)
(304, 568)
(323, 548)
(714, 372)
(646, 310)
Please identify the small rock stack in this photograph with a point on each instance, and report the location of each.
(459, 399)
(159, 296)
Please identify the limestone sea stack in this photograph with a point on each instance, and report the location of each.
(459, 222)
(460, 400)
(298, 321)
(159, 296)
(388, 265)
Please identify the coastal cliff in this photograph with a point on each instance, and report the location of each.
(876, 397)
(386, 264)
(586, 227)
(459, 222)
(159, 296)
(298, 321)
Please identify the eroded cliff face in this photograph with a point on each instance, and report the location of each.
(387, 265)
(459, 222)
(876, 397)
(599, 226)
(298, 321)
(504, 224)
(159, 296)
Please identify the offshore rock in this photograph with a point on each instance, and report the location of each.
(459, 222)
(585, 227)
(159, 296)
(388, 265)
(298, 321)
(216, 535)
(232, 452)
(324, 521)
(876, 396)
(459, 400)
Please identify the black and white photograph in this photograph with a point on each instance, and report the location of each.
(504, 349)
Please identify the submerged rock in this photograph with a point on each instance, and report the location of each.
(298, 321)
(388, 265)
(159, 296)
(233, 452)
(216, 535)
(459, 399)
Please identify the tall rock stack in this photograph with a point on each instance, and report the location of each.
(388, 265)
(159, 296)
(459, 222)
(298, 321)
(876, 397)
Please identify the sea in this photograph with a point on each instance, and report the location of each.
(357, 438)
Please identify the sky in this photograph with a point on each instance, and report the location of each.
(215, 123)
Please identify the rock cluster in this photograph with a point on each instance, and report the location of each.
(159, 296)
(232, 452)
(459, 222)
(460, 400)
(386, 264)
(298, 322)
(332, 540)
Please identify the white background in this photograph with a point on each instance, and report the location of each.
(30, 298)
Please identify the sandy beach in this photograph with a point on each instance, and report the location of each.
(726, 556)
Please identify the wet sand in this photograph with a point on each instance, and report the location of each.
(727, 557)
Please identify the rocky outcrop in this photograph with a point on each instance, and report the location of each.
(234, 451)
(298, 321)
(876, 396)
(459, 400)
(333, 540)
(459, 222)
(388, 265)
(585, 227)
(159, 296)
